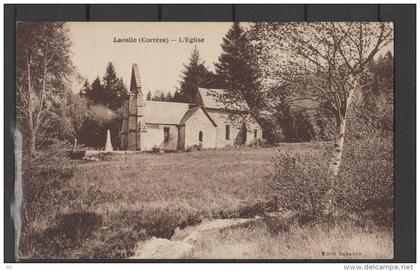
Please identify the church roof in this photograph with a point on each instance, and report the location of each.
(164, 112)
(191, 112)
(209, 99)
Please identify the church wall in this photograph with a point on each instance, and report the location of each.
(196, 123)
(181, 137)
(154, 137)
(235, 126)
(253, 126)
(222, 119)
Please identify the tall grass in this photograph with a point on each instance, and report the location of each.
(344, 241)
(79, 209)
(134, 197)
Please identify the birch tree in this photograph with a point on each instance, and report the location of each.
(43, 67)
(322, 65)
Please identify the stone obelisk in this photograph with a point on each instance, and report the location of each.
(108, 144)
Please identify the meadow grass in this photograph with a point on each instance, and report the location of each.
(343, 241)
(102, 209)
(142, 195)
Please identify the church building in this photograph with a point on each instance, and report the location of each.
(171, 126)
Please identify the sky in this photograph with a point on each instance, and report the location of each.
(160, 63)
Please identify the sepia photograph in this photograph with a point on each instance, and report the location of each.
(204, 140)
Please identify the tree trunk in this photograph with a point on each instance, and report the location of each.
(328, 202)
(328, 198)
(32, 146)
(338, 147)
(30, 124)
(340, 132)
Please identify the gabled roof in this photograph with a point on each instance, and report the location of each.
(191, 112)
(210, 99)
(164, 112)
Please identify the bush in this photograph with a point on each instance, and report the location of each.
(301, 181)
(367, 178)
(195, 147)
(57, 151)
(258, 142)
(364, 185)
(157, 149)
(94, 129)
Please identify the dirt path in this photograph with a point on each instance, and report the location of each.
(183, 241)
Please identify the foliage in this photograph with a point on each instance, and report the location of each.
(104, 109)
(159, 96)
(111, 92)
(272, 132)
(43, 67)
(367, 179)
(98, 120)
(364, 185)
(325, 56)
(195, 147)
(238, 72)
(259, 142)
(375, 107)
(301, 181)
(194, 76)
(114, 88)
(321, 66)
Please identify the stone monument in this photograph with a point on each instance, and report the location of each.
(108, 144)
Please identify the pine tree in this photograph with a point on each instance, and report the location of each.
(85, 89)
(155, 96)
(194, 76)
(149, 96)
(114, 89)
(162, 96)
(237, 70)
(96, 92)
(110, 93)
(169, 97)
(121, 93)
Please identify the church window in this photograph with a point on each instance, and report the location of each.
(166, 134)
(227, 132)
(255, 133)
(200, 137)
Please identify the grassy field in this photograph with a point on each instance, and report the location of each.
(257, 241)
(102, 209)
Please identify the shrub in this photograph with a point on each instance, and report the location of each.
(364, 185)
(301, 181)
(258, 142)
(57, 151)
(195, 147)
(157, 149)
(367, 178)
(94, 129)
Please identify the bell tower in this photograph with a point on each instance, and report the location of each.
(133, 123)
